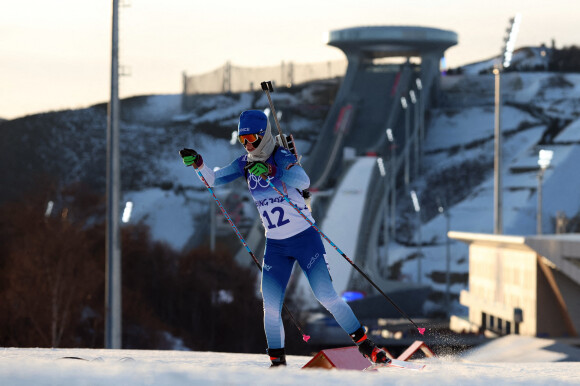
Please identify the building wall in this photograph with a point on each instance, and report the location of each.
(500, 281)
(532, 280)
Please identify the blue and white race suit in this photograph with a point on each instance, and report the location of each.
(289, 238)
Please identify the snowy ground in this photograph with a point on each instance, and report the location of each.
(37, 366)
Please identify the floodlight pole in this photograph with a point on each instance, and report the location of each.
(497, 186)
(544, 159)
(406, 155)
(113, 249)
(504, 62)
(421, 111)
(416, 137)
(383, 172)
(447, 263)
(539, 214)
(417, 207)
(393, 204)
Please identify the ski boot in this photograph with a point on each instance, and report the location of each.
(277, 356)
(368, 348)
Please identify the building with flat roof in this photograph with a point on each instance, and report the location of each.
(527, 285)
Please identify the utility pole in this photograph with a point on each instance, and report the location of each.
(113, 248)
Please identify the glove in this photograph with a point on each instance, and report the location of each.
(190, 157)
(259, 168)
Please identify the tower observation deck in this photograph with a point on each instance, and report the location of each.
(379, 42)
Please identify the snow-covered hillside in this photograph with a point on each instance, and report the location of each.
(541, 111)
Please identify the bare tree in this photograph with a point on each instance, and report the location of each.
(51, 268)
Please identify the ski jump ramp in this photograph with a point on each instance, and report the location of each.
(343, 223)
(369, 102)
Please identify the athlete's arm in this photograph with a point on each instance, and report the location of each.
(289, 170)
(221, 176)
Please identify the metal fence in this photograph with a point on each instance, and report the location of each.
(231, 78)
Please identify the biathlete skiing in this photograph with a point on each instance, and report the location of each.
(289, 237)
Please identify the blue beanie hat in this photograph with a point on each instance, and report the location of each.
(252, 122)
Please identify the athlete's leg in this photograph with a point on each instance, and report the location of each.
(312, 262)
(276, 272)
(311, 252)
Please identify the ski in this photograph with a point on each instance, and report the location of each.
(396, 363)
(98, 359)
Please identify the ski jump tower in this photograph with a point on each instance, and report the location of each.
(374, 90)
(369, 102)
(363, 43)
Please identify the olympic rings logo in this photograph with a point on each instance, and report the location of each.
(255, 181)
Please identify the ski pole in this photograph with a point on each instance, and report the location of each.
(227, 216)
(420, 329)
(267, 87)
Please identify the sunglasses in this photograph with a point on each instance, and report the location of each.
(251, 138)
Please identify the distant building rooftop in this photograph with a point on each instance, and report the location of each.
(562, 250)
(386, 41)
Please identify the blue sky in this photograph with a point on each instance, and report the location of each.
(56, 54)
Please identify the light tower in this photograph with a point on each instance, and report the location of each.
(406, 155)
(383, 172)
(417, 208)
(113, 244)
(544, 159)
(505, 62)
(393, 184)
